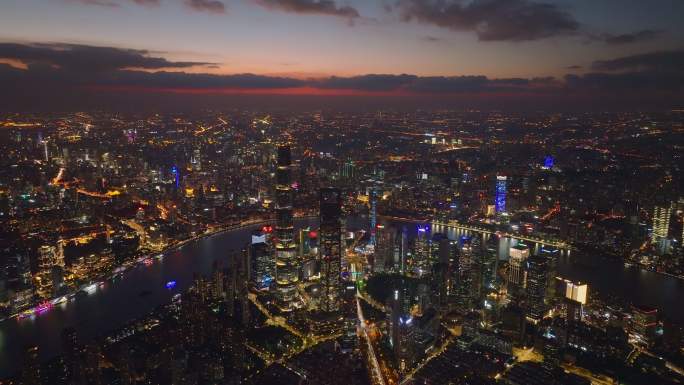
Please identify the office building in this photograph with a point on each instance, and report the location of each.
(536, 287)
(330, 247)
(661, 222)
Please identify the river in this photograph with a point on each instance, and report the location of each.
(142, 289)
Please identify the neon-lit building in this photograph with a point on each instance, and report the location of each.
(500, 194)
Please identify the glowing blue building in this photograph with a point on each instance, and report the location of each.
(500, 196)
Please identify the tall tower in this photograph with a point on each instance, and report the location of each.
(286, 258)
(330, 247)
(537, 267)
(661, 222)
(500, 194)
(373, 216)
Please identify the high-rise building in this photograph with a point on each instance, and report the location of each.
(448, 252)
(421, 251)
(466, 285)
(490, 263)
(551, 254)
(402, 327)
(285, 250)
(373, 216)
(348, 170)
(308, 242)
(575, 299)
(261, 258)
(516, 272)
(500, 194)
(401, 251)
(661, 222)
(330, 247)
(537, 267)
(384, 250)
(643, 325)
(47, 259)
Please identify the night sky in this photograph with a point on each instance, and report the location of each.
(619, 52)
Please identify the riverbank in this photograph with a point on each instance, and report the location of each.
(45, 305)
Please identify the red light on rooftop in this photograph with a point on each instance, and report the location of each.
(313, 234)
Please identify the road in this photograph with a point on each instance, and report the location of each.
(376, 372)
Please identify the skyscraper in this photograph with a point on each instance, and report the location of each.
(373, 216)
(466, 285)
(285, 252)
(384, 250)
(537, 267)
(46, 261)
(661, 222)
(421, 251)
(500, 194)
(261, 258)
(330, 247)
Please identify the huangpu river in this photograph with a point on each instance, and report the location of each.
(143, 288)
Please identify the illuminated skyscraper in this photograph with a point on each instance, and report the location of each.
(373, 216)
(500, 194)
(330, 247)
(421, 250)
(516, 269)
(285, 252)
(661, 222)
(261, 258)
(47, 259)
(467, 285)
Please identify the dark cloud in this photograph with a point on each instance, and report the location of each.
(574, 67)
(182, 80)
(492, 20)
(431, 39)
(211, 6)
(373, 82)
(84, 58)
(115, 3)
(629, 82)
(629, 38)
(77, 73)
(322, 7)
(101, 3)
(146, 2)
(661, 61)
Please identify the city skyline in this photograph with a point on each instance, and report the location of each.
(341, 192)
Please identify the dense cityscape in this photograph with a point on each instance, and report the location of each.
(325, 247)
(341, 192)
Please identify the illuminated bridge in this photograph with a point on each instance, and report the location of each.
(490, 230)
(462, 228)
